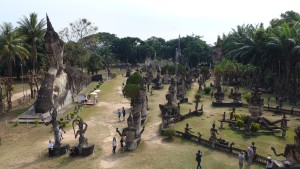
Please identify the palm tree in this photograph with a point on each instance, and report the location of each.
(283, 44)
(11, 46)
(34, 31)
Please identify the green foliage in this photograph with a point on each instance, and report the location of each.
(97, 86)
(171, 69)
(204, 71)
(135, 78)
(64, 123)
(207, 90)
(36, 122)
(236, 116)
(168, 132)
(247, 97)
(72, 115)
(131, 90)
(255, 127)
(240, 123)
(197, 96)
(243, 117)
(95, 63)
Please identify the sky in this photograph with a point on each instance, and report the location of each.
(145, 18)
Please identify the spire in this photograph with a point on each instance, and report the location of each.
(49, 25)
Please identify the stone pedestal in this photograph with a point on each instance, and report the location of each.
(280, 165)
(61, 150)
(85, 150)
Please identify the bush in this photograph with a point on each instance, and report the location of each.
(36, 122)
(255, 127)
(64, 123)
(240, 123)
(72, 115)
(97, 86)
(169, 132)
(113, 75)
(236, 116)
(247, 97)
(207, 90)
(197, 96)
(242, 117)
(16, 123)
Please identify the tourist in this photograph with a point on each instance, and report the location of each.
(198, 159)
(114, 144)
(269, 164)
(241, 159)
(250, 154)
(124, 113)
(119, 114)
(50, 149)
(122, 144)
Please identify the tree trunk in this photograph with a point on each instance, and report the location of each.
(1, 100)
(9, 85)
(31, 84)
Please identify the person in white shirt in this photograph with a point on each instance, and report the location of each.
(114, 144)
(241, 159)
(50, 149)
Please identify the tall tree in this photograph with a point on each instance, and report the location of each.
(33, 30)
(11, 46)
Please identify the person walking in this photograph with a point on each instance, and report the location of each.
(114, 144)
(198, 159)
(250, 154)
(119, 114)
(124, 113)
(50, 149)
(269, 164)
(241, 158)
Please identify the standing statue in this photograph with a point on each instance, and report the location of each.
(58, 148)
(83, 147)
(213, 133)
(291, 151)
(82, 127)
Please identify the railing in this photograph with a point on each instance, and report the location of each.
(229, 149)
(280, 111)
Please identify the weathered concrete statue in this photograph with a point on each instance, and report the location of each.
(291, 153)
(58, 148)
(83, 147)
(60, 82)
(134, 131)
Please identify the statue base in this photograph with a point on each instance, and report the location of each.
(61, 150)
(84, 151)
(130, 146)
(280, 165)
(157, 87)
(227, 104)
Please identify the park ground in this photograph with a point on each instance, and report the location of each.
(25, 145)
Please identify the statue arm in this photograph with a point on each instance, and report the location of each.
(117, 130)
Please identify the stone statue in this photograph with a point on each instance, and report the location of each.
(224, 116)
(292, 151)
(187, 130)
(58, 148)
(61, 82)
(213, 133)
(82, 127)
